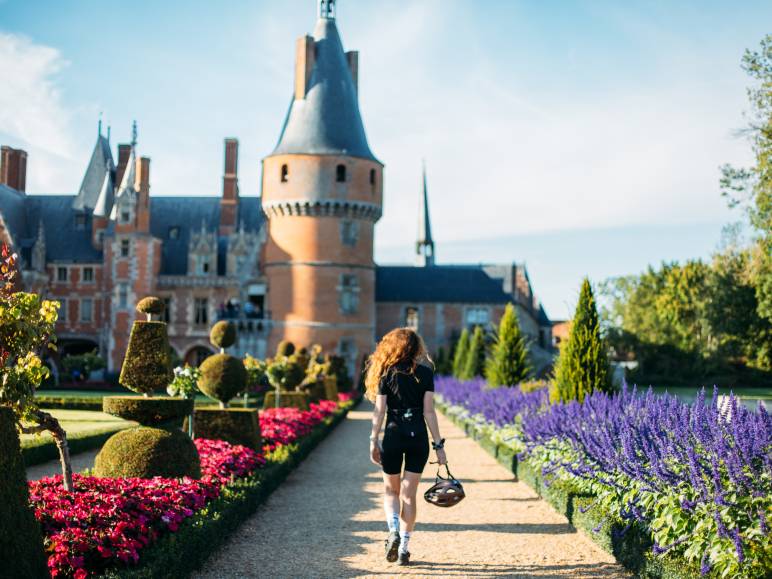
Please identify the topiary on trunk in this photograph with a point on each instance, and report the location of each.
(285, 348)
(222, 376)
(459, 358)
(223, 335)
(508, 363)
(475, 357)
(582, 366)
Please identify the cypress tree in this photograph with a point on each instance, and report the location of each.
(508, 363)
(582, 365)
(442, 363)
(459, 359)
(475, 357)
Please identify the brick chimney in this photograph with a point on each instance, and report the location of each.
(229, 204)
(143, 201)
(304, 64)
(13, 168)
(124, 151)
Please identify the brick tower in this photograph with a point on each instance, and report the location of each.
(322, 193)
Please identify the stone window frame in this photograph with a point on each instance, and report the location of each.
(477, 320)
(123, 295)
(348, 293)
(349, 232)
(409, 312)
(124, 247)
(200, 312)
(82, 317)
(62, 309)
(83, 275)
(62, 274)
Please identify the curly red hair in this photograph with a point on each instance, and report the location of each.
(400, 346)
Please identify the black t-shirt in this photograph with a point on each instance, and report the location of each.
(404, 390)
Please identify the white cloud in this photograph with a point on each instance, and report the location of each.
(32, 115)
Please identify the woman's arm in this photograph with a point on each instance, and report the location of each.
(378, 414)
(430, 415)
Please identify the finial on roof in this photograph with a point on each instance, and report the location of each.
(134, 134)
(99, 125)
(327, 9)
(424, 246)
(108, 133)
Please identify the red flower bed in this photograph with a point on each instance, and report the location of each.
(282, 426)
(107, 522)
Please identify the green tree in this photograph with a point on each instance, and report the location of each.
(508, 364)
(751, 187)
(475, 358)
(459, 358)
(582, 366)
(443, 364)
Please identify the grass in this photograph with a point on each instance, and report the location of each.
(77, 422)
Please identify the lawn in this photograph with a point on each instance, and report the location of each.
(77, 422)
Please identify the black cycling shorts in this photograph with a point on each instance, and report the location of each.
(408, 441)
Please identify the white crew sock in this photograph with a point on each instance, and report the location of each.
(392, 519)
(404, 539)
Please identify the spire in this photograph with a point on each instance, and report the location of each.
(133, 134)
(100, 164)
(424, 247)
(327, 9)
(99, 126)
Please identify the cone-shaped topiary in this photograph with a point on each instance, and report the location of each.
(145, 452)
(21, 544)
(508, 363)
(285, 348)
(459, 358)
(475, 357)
(582, 365)
(147, 365)
(222, 377)
(223, 335)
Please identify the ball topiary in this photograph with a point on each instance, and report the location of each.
(144, 452)
(148, 411)
(147, 365)
(285, 348)
(222, 377)
(223, 335)
(151, 306)
(21, 544)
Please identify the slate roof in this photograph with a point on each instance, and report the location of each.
(438, 284)
(327, 121)
(64, 242)
(101, 164)
(13, 212)
(188, 213)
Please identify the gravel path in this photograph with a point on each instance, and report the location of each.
(326, 520)
(80, 461)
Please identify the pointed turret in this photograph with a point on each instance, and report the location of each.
(324, 117)
(424, 246)
(100, 165)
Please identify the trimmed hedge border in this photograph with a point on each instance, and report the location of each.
(179, 554)
(44, 449)
(631, 547)
(95, 402)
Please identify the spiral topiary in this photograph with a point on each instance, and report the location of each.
(222, 377)
(223, 335)
(145, 452)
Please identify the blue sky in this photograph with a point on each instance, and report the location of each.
(579, 137)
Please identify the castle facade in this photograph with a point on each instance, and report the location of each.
(294, 262)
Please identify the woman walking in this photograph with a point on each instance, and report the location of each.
(400, 380)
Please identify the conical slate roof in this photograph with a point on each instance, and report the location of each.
(127, 186)
(327, 120)
(104, 203)
(101, 164)
(424, 224)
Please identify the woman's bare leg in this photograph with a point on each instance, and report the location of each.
(410, 482)
(391, 497)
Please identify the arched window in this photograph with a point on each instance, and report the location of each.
(411, 318)
(372, 180)
(284, 173)
(340, 174)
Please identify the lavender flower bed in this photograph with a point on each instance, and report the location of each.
(699, 476)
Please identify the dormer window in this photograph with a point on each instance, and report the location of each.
(284, 173)
(340, 174)
(202, 265)
(174, 232)
(80, 221)
(125, 216)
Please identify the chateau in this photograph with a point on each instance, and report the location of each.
(294, 262)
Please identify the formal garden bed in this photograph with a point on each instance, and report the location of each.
(159, 527)
(671, 489)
